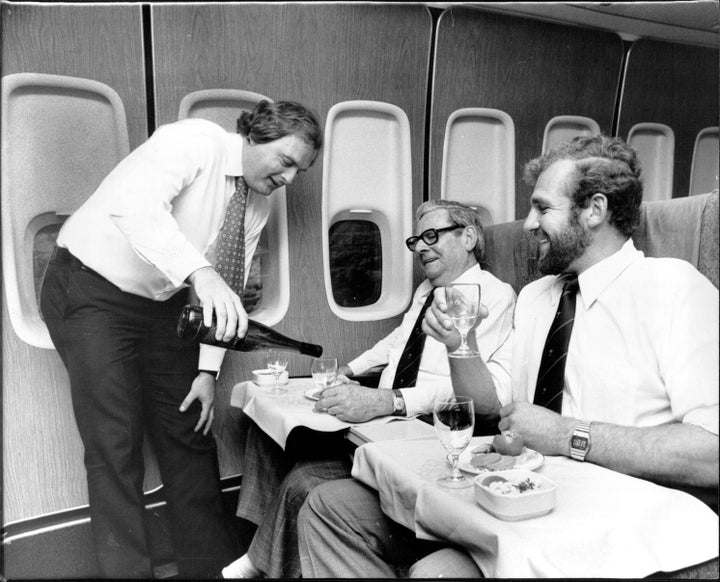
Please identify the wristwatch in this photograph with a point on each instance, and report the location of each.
(580, 441)
(398, 403)
(214, 373)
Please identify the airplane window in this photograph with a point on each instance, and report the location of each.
(355, 262)
(43, 247)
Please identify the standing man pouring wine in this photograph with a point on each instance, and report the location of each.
(181, 215)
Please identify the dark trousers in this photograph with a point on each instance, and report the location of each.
(128, 373)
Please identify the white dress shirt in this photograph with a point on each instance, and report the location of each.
(155, 218)
(433, 381)
(644, 346)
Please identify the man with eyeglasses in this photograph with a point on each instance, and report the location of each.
(448, 245)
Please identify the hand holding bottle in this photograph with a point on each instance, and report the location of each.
(217, 298)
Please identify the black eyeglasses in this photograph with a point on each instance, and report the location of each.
(429, 236)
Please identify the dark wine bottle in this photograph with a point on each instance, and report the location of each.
(190, 328)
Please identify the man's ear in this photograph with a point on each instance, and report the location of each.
(597, 210)
(470, 236)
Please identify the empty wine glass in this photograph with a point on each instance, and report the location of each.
(276, 363)
(324, 371)
(454, 419)
(463, 305)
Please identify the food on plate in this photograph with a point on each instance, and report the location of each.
(505, 452)
(484, 460)
(483, 448)
(492, 461)
(508, 443)
(505, 462)
(510, 488)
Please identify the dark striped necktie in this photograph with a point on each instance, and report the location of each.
(409, 363)
(230, 263)
(551, 375)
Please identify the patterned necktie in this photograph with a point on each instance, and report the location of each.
(230, 263)
(551, 375)
(409, 363)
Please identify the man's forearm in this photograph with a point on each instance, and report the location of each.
(470, 377)
(674, 454)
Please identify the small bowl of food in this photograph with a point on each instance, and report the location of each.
(267, 378)
(515, 494)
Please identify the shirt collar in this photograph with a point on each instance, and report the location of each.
(597, 278)
(233, 154)
(469, 276)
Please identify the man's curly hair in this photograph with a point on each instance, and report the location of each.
(602, 164)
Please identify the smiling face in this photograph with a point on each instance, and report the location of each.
(450, 256)
(555, 221)
(269, 166)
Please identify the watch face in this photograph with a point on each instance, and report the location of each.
(579, 442)
(398, 404)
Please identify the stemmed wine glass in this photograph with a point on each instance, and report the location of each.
(463, 305)
(276, 363)
(324, 371)
(454, 419)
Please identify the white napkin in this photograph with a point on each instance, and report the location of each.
(277, 415)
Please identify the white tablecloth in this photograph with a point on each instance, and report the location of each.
(277, 415)
(604, 524)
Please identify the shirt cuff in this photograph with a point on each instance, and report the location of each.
(211, 357)
(359, 365)
(420, 399)
(178, 272)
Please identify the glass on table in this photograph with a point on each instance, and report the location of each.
(277, 363)
(324, 371)
(454, 420)
(463, 307)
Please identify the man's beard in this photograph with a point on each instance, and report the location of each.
(564, 248)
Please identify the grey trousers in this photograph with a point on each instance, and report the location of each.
(275, 485)
(343, 533)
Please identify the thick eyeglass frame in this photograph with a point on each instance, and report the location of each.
(429, 236)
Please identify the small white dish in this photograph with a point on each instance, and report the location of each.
(267, 378)
(514, 494)
(528, 460)
(313, 393)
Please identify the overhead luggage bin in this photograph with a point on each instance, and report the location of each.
(565, 127)
(60, 137)
(655, 147)
(705, 162)
(223, 106)
(478, 166)
(367, 210)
